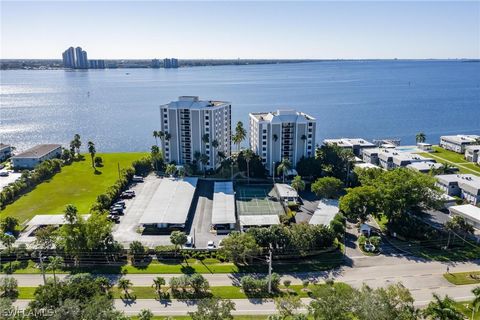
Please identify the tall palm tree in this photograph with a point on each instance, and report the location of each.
(124, 284)
(71, 213)
(206, 138)
(92, 151)
(442, 309)
(248, 155)
(204, 160)
(54, 264)
(155, 135)
(161, 135)
(420, 137)
(240, 134)
(298, 184)
(167, 136)
(158, 282)
(77, 142)
(283, 167)
(196, 157)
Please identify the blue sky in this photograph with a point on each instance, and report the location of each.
(317, 30)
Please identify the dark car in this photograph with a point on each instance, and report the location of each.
(113, 218)
(126, 195)
(120, 203)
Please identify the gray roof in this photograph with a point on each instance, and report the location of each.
(424, 166)
(468, 211)
(350, 142)
(286, 191)
(50, 219)
(192, 102)
(468, 182)
(326, 211)
(460, 138)
(223, 210)
(171, 202)
(259, 220)
(37, 151)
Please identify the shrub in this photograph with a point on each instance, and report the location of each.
(362, 240)
(98, 161)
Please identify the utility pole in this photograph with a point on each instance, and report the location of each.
(42, 268)
(269, 259)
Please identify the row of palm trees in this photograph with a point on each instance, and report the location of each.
(162, 136)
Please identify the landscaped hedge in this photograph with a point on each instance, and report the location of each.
(28, 180)
(105, 200)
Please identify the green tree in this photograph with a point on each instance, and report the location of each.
(420, 137)
(92, 151)
(283, 167)
(204, 160)
(331, 302)
(155, 135)
(442, 309)
(335, 161)
(8, 287)
(456, 225)
(213, 309)
(287, 305)
(125, 285)
(137, 250)
(145, 314)
(238, 246)
(54, 264)
(298, 184)
(178, 239)
(206, 138)
(248, 155)
(171, 169)
(240, 134)
(327, 187)
(199, 284)
(359, 202)
(9, 224)
(476, 300)
(158, 282)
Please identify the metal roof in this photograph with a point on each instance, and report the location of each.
(223, 210)
(259, 220)
(286, 191)
(171, 201)
(38, 151)
(50, 219)
(326, 211)
(467, 211)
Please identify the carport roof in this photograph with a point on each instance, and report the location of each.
(326, 211)
(259, 220)
(170, 202)
(223, 210)
(50, 219)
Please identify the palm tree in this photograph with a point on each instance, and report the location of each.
(248, 155)
(170, 169)
(240, 134)
(158, 282)
(206, 138)
(298, 184)
(70, 213)
(77, 142)
(161, 135)
(420, 137)
(92, 151)
(442, 309)
(167, 136)
(196, 157)
(283, 167)
(54, 264)
(204, 160)
(155, 135)
(124, 284)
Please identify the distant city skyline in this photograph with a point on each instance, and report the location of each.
(247, 30)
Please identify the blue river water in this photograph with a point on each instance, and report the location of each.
(118, 108)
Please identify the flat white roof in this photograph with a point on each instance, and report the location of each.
(468, 211)
(460, 138)
(50, 219)
(259, 220)
(286, 191)
(424, 165)
(170, 202)
(366, 166)
(223, 210)
(349, 142)
(326, 211)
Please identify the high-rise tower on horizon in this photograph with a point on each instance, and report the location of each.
(75, 58)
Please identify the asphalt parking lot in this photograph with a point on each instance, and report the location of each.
(12, 177)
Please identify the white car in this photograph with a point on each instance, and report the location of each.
(210, 245)
(189, 242)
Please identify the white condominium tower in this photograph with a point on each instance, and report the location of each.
(284, 134)
(191, 125)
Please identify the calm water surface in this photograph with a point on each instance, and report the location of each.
(118, 111)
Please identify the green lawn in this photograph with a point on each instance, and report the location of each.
(457, 159)
(460, 278)
(76, 184)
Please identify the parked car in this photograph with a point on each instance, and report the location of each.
(126, 195)
(137, 179)
(130, 192)
(4, 174)
(120, 203)
(117, 207)
(113, 218)
(210, 245)
(116, 211)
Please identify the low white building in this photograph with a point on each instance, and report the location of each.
(354, 144)
(325, 212)
(472, 153)
(223, 209)
(424, 166)
(465, 186)
(392, 158)
(5, 151)
(30, 158)
(286, 193)
(469, 212)
(170, 204)
(426, 147)
(457, 143)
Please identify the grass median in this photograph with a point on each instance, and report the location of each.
(457, 159)
(461, 278)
